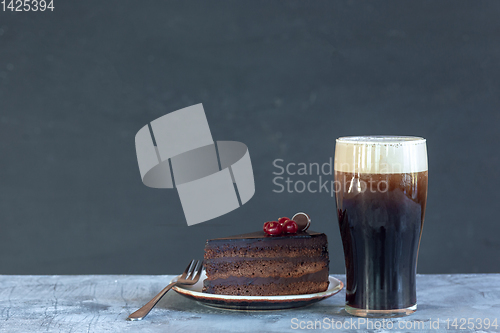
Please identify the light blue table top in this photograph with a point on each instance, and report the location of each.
(100, 303)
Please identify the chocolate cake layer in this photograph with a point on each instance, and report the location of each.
(263, 267)
(258, 245)
(319, 276)
(260, 264)
(308, 283)
(279, 289)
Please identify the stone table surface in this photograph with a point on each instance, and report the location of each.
(100, 303)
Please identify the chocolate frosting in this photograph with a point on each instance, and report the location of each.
(319, 276)
(263, 235)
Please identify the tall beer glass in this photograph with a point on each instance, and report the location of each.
(381, 192)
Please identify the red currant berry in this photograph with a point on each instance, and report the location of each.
(273, 228)
(290, 227)
(282, 220)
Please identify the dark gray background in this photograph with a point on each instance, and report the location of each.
(285, 78)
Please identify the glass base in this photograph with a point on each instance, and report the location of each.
(380, 313)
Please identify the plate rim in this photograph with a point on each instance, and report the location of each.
(272, 299)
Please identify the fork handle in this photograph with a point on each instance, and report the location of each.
(143, 312)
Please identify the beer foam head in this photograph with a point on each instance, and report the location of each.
(381, 154)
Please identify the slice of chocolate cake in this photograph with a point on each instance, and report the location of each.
(258, 264)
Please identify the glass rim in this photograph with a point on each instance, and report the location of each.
(381, 140)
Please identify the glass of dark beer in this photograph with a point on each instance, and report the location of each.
(381, 192)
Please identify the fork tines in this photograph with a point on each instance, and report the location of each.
(193, 270)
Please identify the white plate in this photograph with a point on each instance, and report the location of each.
(256, 302)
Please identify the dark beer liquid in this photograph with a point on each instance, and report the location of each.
(380, 219)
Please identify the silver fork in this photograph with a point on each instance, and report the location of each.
(190, 276)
